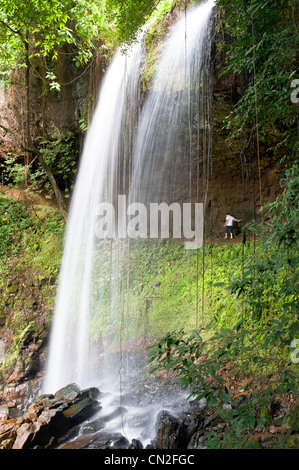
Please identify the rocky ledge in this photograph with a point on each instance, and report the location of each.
(49, 420)
(72, 419)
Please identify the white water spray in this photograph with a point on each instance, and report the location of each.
(70, 351)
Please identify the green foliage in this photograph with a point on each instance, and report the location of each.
(270, 282)
(164, 286)
(31, 237)
(14, 172)
(199, 364)
(162, 9)
(152, 40)
(32, 233)
(257, 340)
(13, 218)
(60, 152)
(61, 155)
(47, 26)
(129, 16)
(262, 50)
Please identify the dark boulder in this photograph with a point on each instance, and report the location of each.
(80, 411)
(136, 444)
(93, 426)
(168, 431)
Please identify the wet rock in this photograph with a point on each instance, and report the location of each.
(119, 443)
(93, 393)
(25, 435)
(37, 407)
(54, 421)
(4, 411)
(40, 433)
(80, 411)
(98, 440)
(8, 432)
(119, 411)
(80, 442)
(70, 392)
(192, 420)
(110, 441)
(49, 419)
(42, 398)
(68, 436)
(136, 444)
(34, 411)
(17, 395)
(152, 445)
(93, 426)
(197, 441)
(7, 444)
(17, 374)
(168, 431)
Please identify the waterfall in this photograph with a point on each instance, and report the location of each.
(174, 117)
(70, 350)
(157, 165)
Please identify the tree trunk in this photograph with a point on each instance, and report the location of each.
(43, 163)
(57, 192)
(30, 147)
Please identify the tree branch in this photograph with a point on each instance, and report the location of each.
(34, 150)
(18, 32)
(25, 149)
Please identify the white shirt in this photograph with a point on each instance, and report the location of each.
(229, 220)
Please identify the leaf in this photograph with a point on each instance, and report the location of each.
(197, 336)
(252, 422)
(219, 284)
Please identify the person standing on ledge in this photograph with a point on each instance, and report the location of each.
(229, 220)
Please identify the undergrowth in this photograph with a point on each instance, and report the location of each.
(30, 253)
(255, 340)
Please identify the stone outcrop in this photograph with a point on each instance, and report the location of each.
(177, 431)
(168, 431)
(49, 419)
(75, 419)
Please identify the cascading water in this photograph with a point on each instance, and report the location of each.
(154, 167)
(175, 112)
(70, 351)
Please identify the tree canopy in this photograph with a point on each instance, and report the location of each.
(47, 26)
(263, 49)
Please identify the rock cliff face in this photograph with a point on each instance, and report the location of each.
(238, 176)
